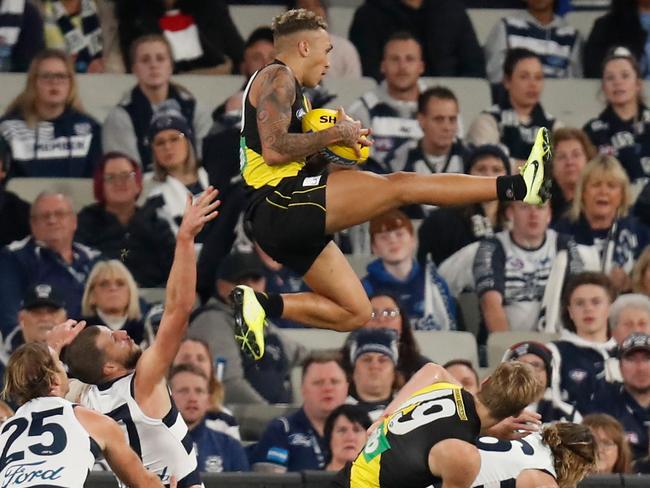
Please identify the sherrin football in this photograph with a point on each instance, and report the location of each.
(323, 118)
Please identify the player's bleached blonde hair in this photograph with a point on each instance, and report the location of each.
(511, 388)
(574, 451)
(296, 20)
(31, 373)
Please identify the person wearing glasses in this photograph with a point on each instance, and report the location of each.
(47, 130)
(176, 167)
(49, 255)
(424, 293)
(135, 235)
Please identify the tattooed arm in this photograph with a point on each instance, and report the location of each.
(275, 97)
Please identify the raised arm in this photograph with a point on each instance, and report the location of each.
(277, 92)
(180, 295)
(121, 458)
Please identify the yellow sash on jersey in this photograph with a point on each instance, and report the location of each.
(257, 173)
(365, 469)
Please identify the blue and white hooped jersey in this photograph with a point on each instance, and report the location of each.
(502, 461)
(164, 445)
(44, 444)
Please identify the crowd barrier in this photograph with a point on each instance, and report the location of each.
(320, 479)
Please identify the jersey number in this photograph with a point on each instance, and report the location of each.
(430, 409)
(36, 429)
(504, 446)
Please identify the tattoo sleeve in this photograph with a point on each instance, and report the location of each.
(276, 96)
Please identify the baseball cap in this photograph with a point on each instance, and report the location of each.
(42, 295)
(169, 116)
(531, 347)
(239, 265)
(383, 341)
(634, 342)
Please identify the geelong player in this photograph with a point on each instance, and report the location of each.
(560, 456)
(293, 211)
(427, 434)
(52, 442)
(129, 384)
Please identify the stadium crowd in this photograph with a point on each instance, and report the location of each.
(568, 282)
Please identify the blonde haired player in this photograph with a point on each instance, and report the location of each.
(428, 431)
(293, 210)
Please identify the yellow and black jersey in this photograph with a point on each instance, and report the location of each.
(255, 172)
(396, 455)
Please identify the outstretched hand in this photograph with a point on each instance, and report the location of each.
(513, 428)
(63, 334)
(352, 134)
(198, 212)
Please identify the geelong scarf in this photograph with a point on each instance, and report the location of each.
(11, 18)
(85, 43)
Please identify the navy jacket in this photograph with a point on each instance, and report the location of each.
(613, 399)
(216, 451)
(24, 263)
(67, 146)
(291, 442)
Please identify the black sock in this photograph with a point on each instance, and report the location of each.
(272, 303)
(511, 187)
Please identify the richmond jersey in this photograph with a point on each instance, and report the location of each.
(164, 445)
(502, 461)
(44, 445)
(396, 454)
(255, 172)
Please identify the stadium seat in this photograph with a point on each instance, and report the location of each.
(583, 20)
(572, 101)
(12, 85)
(316, 339)
(443, 346)
(483, 19)
(473, 96)
(469, 308)
(79, 189)
(347, 90)
(100, 93)
(211, 91)
(253, 418)
(499, 342)
(152, 295)
(359, 262)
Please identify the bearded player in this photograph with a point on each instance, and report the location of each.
(292, 212)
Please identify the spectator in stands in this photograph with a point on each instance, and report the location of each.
(640, 273)
(467, 224)
(515, 120)
(585, 352)
(439, 150)
(345, 435)
(46, 127)
(387, 312)
(111, 299)
(629, 401)
(442, 27)
(216, 452)
(424, 293)
(14, 211)
(122, 230)
(201, 33)
(196, 352)
(22, 35)
(41, 309)
(614, 455)
(245, 380)
(549, 404)
(465, 374)
(629, 314)
(296, 442)
(373, 355)
(74, 26)
(390, 109)
(344, 58)
(623, 128)
(49, 255)
(127, 125)
(512, 270)
(558, 44)
(599, 217)
(176, 169)
(572, 150)
(623, 25)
